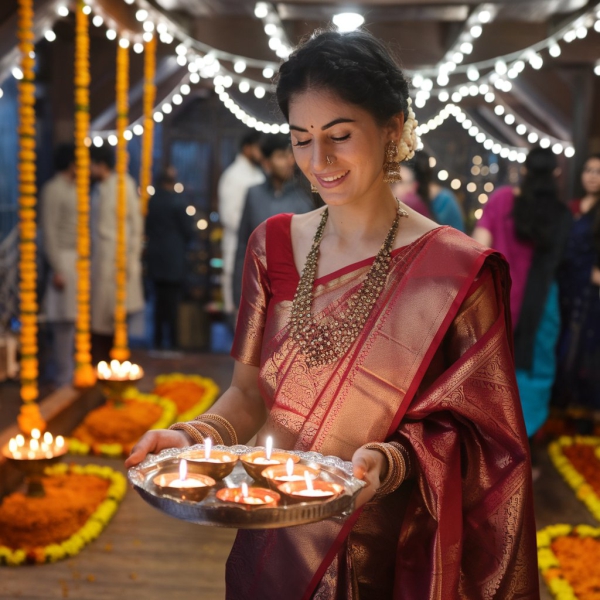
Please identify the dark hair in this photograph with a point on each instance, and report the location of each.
(355, 65)
(537, 208)
(64, 156)
(272, 143)
(423, 173)
(103, 155)
(250, 139)
(166, 177)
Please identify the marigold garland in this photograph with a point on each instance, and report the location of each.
(85, 374)
(112, 431)
(192, 394)
(29, 417)
(94, 502)
(120, 350)
(568, 558)
(576, 460)
(148, 139)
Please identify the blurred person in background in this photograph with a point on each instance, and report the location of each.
(421, 193)
(242, 174)
(280, 193)
(578, 380)
(104, 242)
(530, 226)
(59, 233)
(168, 232)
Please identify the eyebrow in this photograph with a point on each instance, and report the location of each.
(327, 126)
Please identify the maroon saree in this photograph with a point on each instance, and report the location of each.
(433, 370)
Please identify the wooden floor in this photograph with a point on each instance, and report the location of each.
(144, 554)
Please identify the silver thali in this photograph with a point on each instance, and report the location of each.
(213, 512)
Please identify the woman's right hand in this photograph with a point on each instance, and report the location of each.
(156, 440)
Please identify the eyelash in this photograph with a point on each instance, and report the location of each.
(341, 139)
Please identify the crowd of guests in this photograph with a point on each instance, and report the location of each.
(553, 249)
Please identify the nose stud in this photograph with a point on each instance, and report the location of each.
(329, 160)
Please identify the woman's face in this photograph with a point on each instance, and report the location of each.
(322, 125)
(590, 177)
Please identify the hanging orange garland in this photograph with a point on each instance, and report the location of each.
(85, 374)
(120, 350)
(29, 417)
(148, 139)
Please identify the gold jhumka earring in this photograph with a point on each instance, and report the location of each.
(391, 166)
(313, 188)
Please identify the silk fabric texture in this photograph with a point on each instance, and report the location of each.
(433, 370)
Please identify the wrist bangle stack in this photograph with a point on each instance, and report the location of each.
(199, 431)
(396, 472)
(233, 440)
(406, 455)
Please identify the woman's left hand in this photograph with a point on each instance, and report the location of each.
(369, 465)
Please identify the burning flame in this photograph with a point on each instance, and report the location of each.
(289, 467)
(244, 489)
(35, 434)
(207, 448)
(269, 448)
(309, 485)
(183, 470)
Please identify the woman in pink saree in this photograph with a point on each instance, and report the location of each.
(396, 357)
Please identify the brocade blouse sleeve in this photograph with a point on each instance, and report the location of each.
(256, 292)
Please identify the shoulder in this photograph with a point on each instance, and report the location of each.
(450, 242)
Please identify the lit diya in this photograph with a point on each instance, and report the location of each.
(115, 377)
(308, 490)
(214, 463)
(278, 474)
(255, 462)
(33, 454)
(183, 485)
(249, 498)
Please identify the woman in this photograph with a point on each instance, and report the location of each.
(401, 363)
(578, 381)
(530, 227)
(419, 191)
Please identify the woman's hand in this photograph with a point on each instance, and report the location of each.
(370, 466)
(595, 276)
(156, 440)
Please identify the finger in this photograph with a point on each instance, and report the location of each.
(145, 445)
(360, 467)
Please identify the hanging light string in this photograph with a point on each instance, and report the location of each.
(278, 40)
(120, 350)
(148, 139)
(29, 416)
(84, 374)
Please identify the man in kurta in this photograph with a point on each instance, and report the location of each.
(59, 230)
(104, 241)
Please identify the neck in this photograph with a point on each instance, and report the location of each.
(368, 218)
(277, 183)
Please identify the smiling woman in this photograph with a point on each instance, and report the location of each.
(367, 332)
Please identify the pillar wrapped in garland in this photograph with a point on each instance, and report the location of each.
(29, 416)
(120, 350)
(85, 374)
(148, 139)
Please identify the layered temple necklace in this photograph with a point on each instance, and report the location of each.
(323, 343)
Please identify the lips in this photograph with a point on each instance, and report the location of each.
(332, 180)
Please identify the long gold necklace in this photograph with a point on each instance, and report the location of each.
(323, 343)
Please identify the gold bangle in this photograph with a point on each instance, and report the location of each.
(396, 467)
(196, 436)
(406, 455)
(208, 431)
(222, 421)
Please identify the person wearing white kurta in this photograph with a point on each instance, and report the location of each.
(104, 240)
(58, 202)
(235, 181)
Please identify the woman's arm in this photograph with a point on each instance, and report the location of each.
(241, 404)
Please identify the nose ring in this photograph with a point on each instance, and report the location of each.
(329, 160)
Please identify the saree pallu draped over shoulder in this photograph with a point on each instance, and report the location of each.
(433, 369)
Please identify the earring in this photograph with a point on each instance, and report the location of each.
(391, 166)
(329, 160)
(313, 188)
